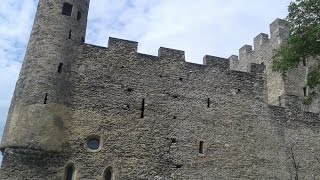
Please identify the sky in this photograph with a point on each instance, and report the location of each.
(198, 27)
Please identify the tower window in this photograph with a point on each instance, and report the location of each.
(79, 16)
(108, 174)
(69, 172)
(70, 34)
(67, 9)
(201, 147)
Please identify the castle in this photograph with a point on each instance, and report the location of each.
(81, 111)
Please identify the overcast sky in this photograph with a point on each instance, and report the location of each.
(199, 27)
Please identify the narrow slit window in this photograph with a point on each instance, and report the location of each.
(70, 33)
(201, 147)
(142, 108)
(82, 39)
(304, 62)
(60, 67)
(208, 103)
(79, 16)
(69, 172)
(305, 91)
(45, 98)
(67, 9)
(108, 174)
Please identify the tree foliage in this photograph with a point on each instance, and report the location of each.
(303, 41)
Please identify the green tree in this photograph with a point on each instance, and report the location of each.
(303, 41)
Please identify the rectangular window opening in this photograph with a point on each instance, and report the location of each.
(67, 9)
(201, 147)
(45, 99)
(304, 62)
(60, 67)
(208, 103)
(79, 16)
(142, 108)
(70, 33)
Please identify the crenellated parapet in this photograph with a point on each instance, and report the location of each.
(127, 47)
(262, 51)
(82, 111)
(279, 31)
(264, 48)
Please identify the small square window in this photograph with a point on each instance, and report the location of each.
(67, 9)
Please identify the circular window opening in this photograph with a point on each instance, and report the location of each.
(93, 143)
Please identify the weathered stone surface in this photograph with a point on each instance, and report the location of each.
(277, 85)
(149, 112)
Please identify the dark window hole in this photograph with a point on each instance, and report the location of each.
(208, 103)
(178, 166)
(173, 140)
(79, 15)
(60, 67)
(70, 34)
(69, 172)
(127, 106)
(304, 62)
(108, 174)
(238, 90)
(180, 79)
(67, 9)
(82, 39)
(160, 76)
(201, 147)
(45, 98)
(174, 117)
(142, 108)
(129, 89)
(175, 96)
(305, 91)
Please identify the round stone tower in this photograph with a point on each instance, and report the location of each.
(38, 110)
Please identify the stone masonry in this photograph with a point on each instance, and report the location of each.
(81, 111)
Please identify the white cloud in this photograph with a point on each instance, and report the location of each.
(199, 27)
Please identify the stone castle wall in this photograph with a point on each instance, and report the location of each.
(184, 103)
(262, 52)
(155, 117)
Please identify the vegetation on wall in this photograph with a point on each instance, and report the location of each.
(303, 42)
